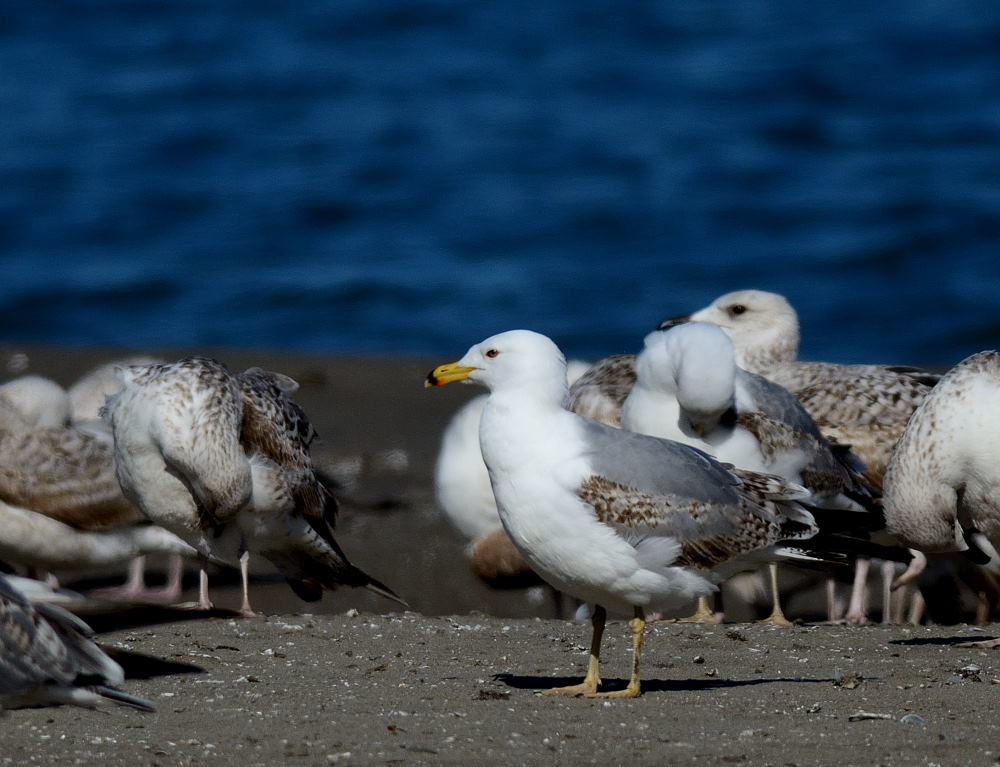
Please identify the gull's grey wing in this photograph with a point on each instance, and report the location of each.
(657, 466)
(780, 422)
(646, 487)
(776, 402)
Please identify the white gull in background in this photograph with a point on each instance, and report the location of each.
(688, 388)
(222, 460)
(623, 521)
(40, 401)
(942, 486)
(38, 541)
(47, 657)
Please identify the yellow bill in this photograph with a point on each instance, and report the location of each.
(446, 374)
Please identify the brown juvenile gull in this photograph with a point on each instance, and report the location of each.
(222, 460)
(60, 472)
(689, 389)
(942, 487)
(620, 520)
(47, 657)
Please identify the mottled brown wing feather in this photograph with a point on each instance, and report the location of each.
(278, 429)
(709, 534)
(601, 391)
(65, 475)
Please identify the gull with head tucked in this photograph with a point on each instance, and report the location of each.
(689, 388)
(222, 460)
(863, 406)
(623, 521)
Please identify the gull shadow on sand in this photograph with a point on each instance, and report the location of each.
(138, 665)
(942, 640)
(542, 683)
(116, 617)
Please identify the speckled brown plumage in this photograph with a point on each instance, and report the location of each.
(47, 656)
(494, 560)
(62, 473)
(943, 482)
(218, 457)
(277, 428)
(601, 390)
(709, 534)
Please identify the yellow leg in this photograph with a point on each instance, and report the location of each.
(593, 678)
(777, 617)
(633, 690)
(702, 614)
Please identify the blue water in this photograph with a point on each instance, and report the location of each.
(392, 176)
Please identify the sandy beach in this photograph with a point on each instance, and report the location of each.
(457, 678)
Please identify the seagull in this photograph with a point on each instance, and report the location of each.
(222, 460)
(36, 540)
(942, 485)
(864, 406)
(463, 493)
(60, 504)
(38, 400)
(48, 656)
(619, 520)
(59, 471)
(689, 389)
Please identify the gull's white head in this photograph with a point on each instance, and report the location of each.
(763, 326)
(38, 401)
(512, 360)
(695, 362)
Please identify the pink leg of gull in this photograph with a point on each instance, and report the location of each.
(888, 573)
(245, 608)
(856, 611)
(203, 601)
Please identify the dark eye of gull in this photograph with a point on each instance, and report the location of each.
(737, 309)
(492, 353)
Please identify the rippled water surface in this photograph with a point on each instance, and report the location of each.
(408, 177)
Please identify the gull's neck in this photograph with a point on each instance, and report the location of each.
(777, 346)
(517, 421)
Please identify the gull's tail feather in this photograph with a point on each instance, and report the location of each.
(123, 698)
(305, 551)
